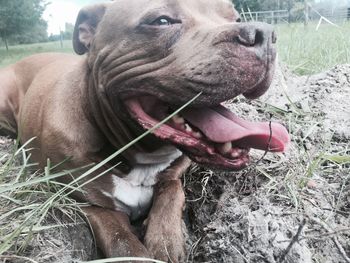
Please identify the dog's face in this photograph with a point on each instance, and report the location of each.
(150, 57)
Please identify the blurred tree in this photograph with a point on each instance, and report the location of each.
(35, 34)
(19, 17)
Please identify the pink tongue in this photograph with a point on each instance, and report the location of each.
(221, 125)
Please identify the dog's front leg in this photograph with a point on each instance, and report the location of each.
(164, 237)
(113, 233)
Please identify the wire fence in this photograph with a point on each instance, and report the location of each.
(271, 17)
(338, 15)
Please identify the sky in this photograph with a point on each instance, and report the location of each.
(58, 12)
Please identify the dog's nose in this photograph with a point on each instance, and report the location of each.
(255, 34)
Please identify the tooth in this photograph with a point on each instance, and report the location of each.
(178, 119)
(188, 128)
(225, 148)
(197, 135)
(236, 153)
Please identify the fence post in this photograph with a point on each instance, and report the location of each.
(243, 14)
(6, 44)
(61, 37)
(272, 17)
(289, 11)
(306, 12)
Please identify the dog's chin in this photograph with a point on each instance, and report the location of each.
(212, 136)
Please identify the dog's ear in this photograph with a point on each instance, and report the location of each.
(85, 27)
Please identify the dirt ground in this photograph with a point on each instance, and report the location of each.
(287, 208)
(292, 207)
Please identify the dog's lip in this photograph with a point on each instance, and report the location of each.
(218, 161)
(202, 149)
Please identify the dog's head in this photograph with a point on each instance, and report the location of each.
(150, 57)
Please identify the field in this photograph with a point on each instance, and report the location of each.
(16, 53)
(292, 208)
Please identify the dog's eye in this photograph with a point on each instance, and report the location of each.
(163, 21)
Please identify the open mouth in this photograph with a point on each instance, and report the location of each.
(213, 136)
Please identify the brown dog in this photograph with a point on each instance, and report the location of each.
(143, 60)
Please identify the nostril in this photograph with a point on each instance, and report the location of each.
(251, 37)
(259, 37)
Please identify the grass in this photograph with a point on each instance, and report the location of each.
(25, 201)
(308, 51)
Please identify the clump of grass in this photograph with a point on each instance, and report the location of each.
(308, 51)
(26, 199)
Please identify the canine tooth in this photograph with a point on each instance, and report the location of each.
(236, 153)
(225, 148)
(188, 128)
(178, 119)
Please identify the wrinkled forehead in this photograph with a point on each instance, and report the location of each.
(136, 9)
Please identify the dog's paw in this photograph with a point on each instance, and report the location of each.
(165, 243)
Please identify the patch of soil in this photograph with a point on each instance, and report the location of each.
(69, 240)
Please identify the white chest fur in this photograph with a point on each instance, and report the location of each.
(133, 193)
